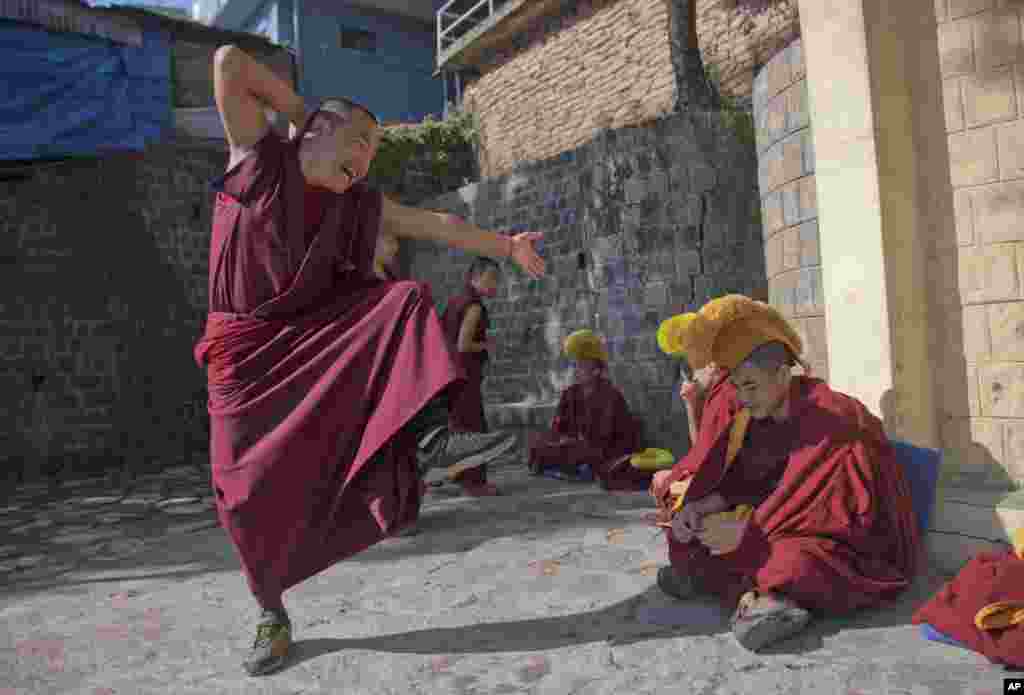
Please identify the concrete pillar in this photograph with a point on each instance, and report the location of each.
(882, 177)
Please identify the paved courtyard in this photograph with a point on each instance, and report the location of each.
(546, 590)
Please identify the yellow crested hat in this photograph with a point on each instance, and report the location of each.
(725, 331)
(584, 345)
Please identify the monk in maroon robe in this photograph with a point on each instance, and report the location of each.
(593, 425)
(832, 529)
(983, 606)
(324, 381)
(466, 324)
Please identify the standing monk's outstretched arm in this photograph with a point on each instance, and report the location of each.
(244, 89)
(451, 230)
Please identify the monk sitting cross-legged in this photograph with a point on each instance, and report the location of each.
(593, 425)
(792, 501)
(466, 324)
(323, 378)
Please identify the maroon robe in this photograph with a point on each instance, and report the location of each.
(987, 578)
(314, 366)
(833, 527)
(466, 400)
(607, 432)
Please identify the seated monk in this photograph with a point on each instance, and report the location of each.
(593, 424)
(831, 528)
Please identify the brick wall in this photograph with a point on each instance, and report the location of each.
(981, 280)
(789, 201)
(663, 216)
(602, 64)
(104, 289)
(734, 42)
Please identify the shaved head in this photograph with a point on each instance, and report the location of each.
(339, 145)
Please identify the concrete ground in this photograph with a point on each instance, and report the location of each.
(545, 590)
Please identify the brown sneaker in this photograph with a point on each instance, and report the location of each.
(270, 649)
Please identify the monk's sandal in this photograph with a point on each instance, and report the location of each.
(677, 585)
(463, 451)
(273, 642)
(763, 620)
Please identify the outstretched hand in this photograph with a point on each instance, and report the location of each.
(525, 255)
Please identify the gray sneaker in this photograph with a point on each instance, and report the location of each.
(462, 451)
(273, 642)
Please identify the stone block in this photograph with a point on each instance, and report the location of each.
(964, 217)
(790, 248)
(996, 212)
(956, 50)
(773, 256)
(797, 114)
(941, 10)
(964, 8)
(687, 263)
(1006, 328)
(988, 273)
(972, 157)
(1010, 139)
(792, 158)
(997, 39)
(953, 104)
(989, 97)
(810, 253)
(772, 215)
(1014, 449)
(975, 325)
(808, 152)
(958, 389)
(1002, 389)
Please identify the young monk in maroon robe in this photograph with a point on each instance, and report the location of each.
(466, 324)
(322, 379)
(593, 424)
(832, 528)
(983, 606)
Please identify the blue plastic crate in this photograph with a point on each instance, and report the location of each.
(921, 467)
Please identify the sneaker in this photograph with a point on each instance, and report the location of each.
(270, 649)
(462, 451)
(431, 437)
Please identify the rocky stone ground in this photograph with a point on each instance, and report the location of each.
(545, 590)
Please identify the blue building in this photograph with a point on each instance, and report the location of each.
(379, 52)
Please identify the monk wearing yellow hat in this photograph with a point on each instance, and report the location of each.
(791, 502)
(593, 426)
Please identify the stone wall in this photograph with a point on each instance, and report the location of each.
(641, 223)
(981, 280)
(788, 200)
(735, 42)
(105, 290)
(603, 64)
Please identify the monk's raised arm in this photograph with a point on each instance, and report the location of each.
(453, 231)
(468, 329)
(244, 89)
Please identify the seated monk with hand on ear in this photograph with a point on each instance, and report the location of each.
(593, 424)
(792, 500)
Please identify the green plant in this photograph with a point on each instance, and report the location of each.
(734, 117)
(434, 139)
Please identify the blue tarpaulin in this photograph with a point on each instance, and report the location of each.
(65, 94)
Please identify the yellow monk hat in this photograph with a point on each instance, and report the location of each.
(725, 331)
(584, 345)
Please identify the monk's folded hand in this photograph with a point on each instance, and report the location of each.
(723, 535)
(525, 255)
(660, 483)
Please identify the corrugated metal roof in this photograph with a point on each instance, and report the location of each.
(73, 17)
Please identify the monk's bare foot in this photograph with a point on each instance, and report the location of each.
(481, 490)
(761, 620)
(273, 642)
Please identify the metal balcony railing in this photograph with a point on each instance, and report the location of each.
(457, 17)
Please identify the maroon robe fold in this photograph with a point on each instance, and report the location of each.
(987, 578)
(606, 429)
(833, 526)
(314, 366)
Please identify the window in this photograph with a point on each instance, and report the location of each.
(358, 40)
